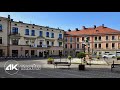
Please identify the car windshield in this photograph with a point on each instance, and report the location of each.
(110, 54)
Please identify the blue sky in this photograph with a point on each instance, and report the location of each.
(67, 20)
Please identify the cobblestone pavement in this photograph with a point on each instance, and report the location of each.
(48, 71)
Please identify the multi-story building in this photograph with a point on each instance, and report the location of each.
(22, 39)
(101, 40)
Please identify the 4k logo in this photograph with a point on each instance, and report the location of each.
(11, 67)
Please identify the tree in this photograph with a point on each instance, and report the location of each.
(69, 57)
(81, 55)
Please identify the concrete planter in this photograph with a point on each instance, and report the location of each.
(81, 67)
(49, 62)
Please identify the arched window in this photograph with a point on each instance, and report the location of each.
(0, 27)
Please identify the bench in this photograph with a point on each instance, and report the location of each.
(114, 65)
(62, 64)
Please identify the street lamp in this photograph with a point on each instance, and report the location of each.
(84, 49)
(89, 52)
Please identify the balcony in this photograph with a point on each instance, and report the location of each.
(14, 35)
(41, 37)
(60, 39)
(40, 46)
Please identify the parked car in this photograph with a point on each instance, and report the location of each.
(109, 56)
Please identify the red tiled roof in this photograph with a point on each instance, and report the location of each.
(90, 31)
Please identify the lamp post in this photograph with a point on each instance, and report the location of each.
(84, 49)
(89, 52)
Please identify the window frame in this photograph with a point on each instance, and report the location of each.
(52, 35)
(26, 31)
(47, 33)
(0, 40)
(32, 32)
(40, 33)
(1, 27)
(60, 36)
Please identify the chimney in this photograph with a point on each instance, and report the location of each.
(11, 19)
(103, 25)
(84, 27)
(76, 29)
(20, 21)
(94, 26)
(69, 30)
(8, 16)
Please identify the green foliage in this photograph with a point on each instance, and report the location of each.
(50, 59)
(69, 57)
(118, 57)
(81, 55)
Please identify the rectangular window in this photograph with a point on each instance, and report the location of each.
(113, 37)
(77, 39)
(83, 45)
(70, 39)
(113, 45)
(15, 42)
(100, 38)
(106, 45)
(47, 43)
(106, 37)
(60, 44)
(65, 45)
(26, 53)
(14, 30)
(95, 38)
(118, 37)
(32, 52)
(27, 42)
(52, 43)
(99, 45)
(95, 45)
(70, 45)
(40, 43)
(0, 40)
(118, 45)
(33, 33)
(41, 33)
(82, 38)
(60, 36)
(52, 35)
(0, 27)
(26, 31)
(77, 45)
(66, 39)
(47, 34)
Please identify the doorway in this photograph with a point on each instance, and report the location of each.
(40, 54)
(14, 53)
(1, 53)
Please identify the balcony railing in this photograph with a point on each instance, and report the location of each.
(40, 46)
(18, 34)
(60, 38)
